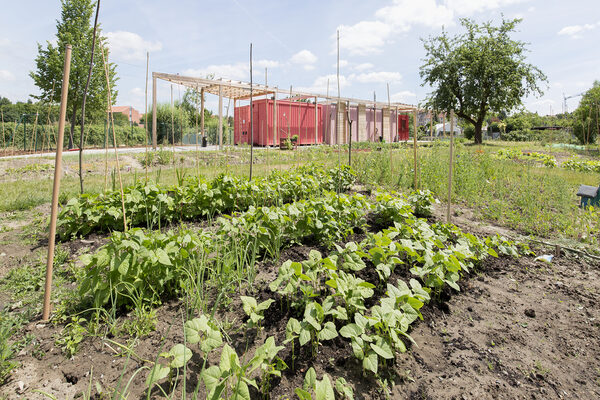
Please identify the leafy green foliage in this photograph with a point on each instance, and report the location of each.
(314, 389)
(255, 310)
(149, 204)
(482, 70)
(137, 268)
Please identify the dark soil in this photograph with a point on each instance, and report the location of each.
(517, 329)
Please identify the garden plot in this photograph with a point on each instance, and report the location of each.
(306, 295)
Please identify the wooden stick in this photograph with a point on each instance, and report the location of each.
(448, 206)
(415, 148)
(3, 136)
(196, 134)
(316, 121)
(56, 187)
(172, 124)
(106, 132)
(389, 123)
(251, 116)
(154, 139)
(220, 117)
(115, 143)
(328, 116)
(146, 114)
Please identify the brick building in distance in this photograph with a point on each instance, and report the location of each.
(131, 113)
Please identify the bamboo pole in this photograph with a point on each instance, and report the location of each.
(196, 134)
(267, 119)
(220, 117)
(56, 187)
(180, 119)
(389, 123)
(202, 112)
(275, 114)
(316, 121)
(146, 115)
(3, 135)
(328, 116)
(106, 132)
(415, 148)
(251, 116)
(172, 124)
(154, 139)
(449, 205)
(115, 144)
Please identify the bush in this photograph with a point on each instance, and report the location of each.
(469, 131)
(521, 135)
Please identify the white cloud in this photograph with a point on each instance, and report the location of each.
(377, 77)
(370, 36)
(403, 96)
(6, 75)
(303, 57)
(575, 31)
(130, 46)
(238, 71)
(364, 66)
(319, 86)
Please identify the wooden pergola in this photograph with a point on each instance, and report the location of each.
(237, 90)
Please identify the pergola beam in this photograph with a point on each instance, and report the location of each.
(241, 90)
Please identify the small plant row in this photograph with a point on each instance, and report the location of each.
(149, 204)
(577, 164)
(138, 268)
(435, 255)
(330, 295)
(515, 154)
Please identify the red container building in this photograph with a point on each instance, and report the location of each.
(293, 118)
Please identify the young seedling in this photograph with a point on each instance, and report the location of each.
(254, 310)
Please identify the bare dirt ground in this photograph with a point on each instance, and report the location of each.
(518, 329)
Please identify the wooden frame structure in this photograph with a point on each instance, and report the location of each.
(238, 90)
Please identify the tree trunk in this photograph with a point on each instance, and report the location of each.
(72, 127)
(478, 136)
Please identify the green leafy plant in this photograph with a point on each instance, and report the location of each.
(255, 311)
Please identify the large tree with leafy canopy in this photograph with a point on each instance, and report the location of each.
(479, 71)
(75, 27)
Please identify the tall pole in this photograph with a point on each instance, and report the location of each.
(337, 108)
(327, 117)
(220, 117)
(267, 111)
(146, 115)
(251, 118)
(415, 147)
(154, 140)
(390, 118)
(56, 187)
(350, 138)
(448, 217)
(316, 120)
(275, 118)
(374, 117)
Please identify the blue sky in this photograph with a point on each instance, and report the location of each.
(295, 40)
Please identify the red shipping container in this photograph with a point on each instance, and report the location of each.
(293, 118)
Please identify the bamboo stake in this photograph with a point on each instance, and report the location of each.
(180, 120)
(172, 124)
(56, 187)
(146, 114)
(449, 205)
(106, 132)
(415, 148)
(196, 135)
(337, 107)
(390, 124)
(251, 116)
(3, 136)
(154, 140)
(327, 121)
(267, 119)
(115, 143)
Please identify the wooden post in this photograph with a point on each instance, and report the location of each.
(220, 117)
(153, 112)
(251, 116)
(172, 123)
(415, 148)
(56, 187)
(275, 114)
(448, 216)
(145, 116)
(202, 112)
(316, 121)
(267, 115)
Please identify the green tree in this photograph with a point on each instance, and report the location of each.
(586, 116)
(170, 122)
(76, 28)
(482, 70)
